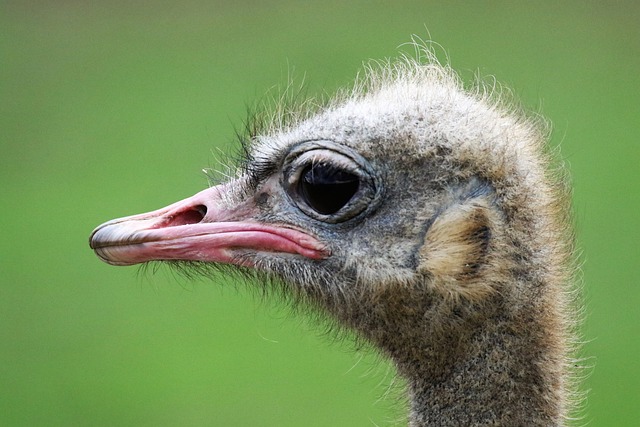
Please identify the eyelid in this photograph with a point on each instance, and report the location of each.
(322, 157)
(293, 171)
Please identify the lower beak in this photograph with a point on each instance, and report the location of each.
(198, 228)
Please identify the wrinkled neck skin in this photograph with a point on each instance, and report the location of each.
(468, 364)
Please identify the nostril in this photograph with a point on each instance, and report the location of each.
(201, 210)
(192, 215)
(195, 215)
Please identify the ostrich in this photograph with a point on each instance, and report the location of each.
(420, 214)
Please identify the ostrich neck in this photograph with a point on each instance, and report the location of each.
(470, 365)
(497, 380)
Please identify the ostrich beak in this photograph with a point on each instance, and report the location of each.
(199, 228)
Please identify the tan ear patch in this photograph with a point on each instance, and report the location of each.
(455, 250)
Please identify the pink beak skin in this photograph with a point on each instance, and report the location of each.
(198, 229)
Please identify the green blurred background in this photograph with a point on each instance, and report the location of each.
(113, 108)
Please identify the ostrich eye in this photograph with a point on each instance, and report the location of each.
(327, 189)
(329, 182)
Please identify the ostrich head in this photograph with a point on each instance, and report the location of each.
(417, 213)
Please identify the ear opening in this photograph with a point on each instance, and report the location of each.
(456, 247)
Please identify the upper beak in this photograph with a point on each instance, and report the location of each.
(199, 228)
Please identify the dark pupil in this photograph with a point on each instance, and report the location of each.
(327, 189)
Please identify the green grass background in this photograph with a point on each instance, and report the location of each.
(113, 108)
